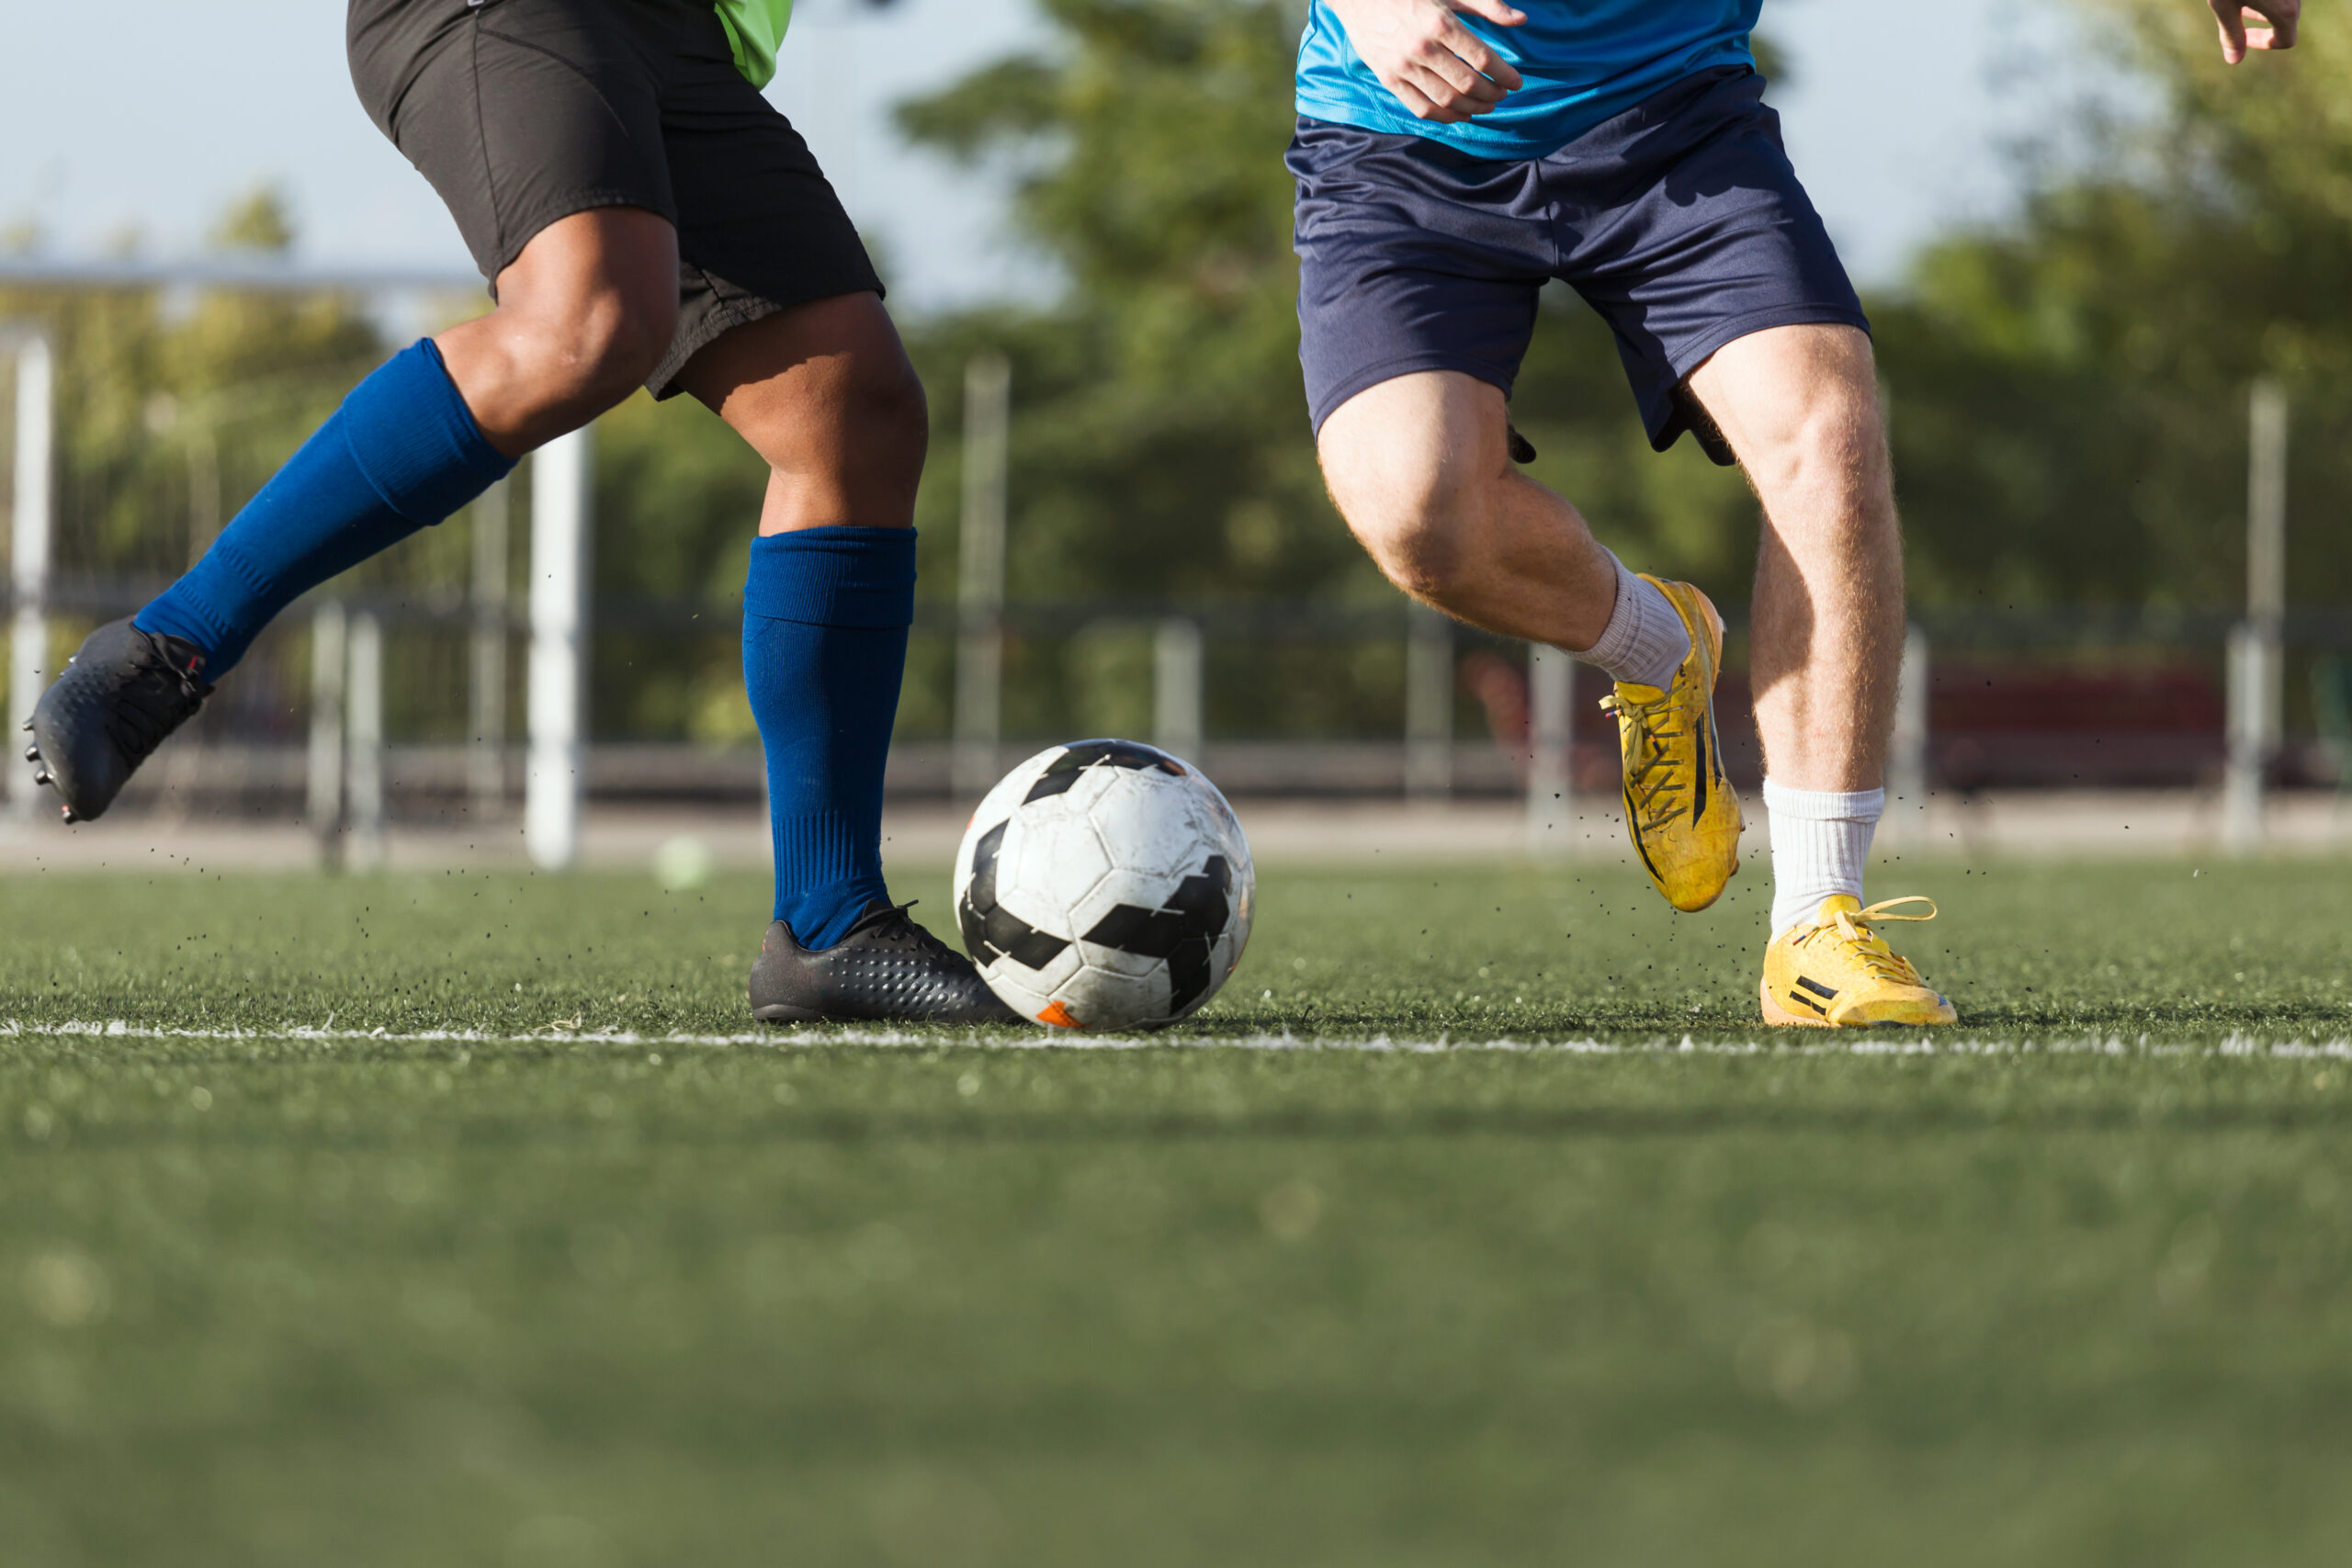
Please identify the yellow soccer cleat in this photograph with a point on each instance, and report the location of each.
(1681, 810)
(1839, 973)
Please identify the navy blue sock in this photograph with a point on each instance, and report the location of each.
(401, 453)
(825, 618)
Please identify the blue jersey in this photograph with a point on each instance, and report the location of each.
(1583, 61)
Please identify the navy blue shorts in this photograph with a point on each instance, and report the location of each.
(1680, 221)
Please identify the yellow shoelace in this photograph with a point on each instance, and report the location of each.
(1654, 800)
(1868, 947)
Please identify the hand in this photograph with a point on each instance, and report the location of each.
(1438, 68)
(2237, 38)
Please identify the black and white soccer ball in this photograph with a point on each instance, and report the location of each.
(1104, 884)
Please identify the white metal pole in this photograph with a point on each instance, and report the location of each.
(486, 684)
(1176, 689)
(2249, 677)
(1551, 716)
(979, 590)
(1428, 703)
(31, 530)
(328, 669)
(1904, 823)
(2265, 547)
(555, 780)
(365, 707)
(2266, 500)
(2257, 652)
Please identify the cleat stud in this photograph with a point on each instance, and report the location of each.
(32, 753)
(42, 777)
(67, 812)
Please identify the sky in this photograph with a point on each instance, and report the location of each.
(1901, 118)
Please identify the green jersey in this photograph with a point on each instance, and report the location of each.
(754, 28)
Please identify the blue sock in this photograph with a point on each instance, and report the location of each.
(401, 453)
(825, 618)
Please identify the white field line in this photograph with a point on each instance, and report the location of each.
(1801, 1043)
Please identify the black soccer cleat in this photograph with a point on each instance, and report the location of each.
(121, 693)
(887, 967)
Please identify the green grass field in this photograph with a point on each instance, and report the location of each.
(2075, 1287)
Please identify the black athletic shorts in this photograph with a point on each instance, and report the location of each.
(1679, 221)
(524, 111)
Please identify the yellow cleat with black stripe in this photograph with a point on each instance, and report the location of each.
(1681, 810)
(1839, 973)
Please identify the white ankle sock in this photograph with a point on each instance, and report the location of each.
(1645, 641)
(1821, 841)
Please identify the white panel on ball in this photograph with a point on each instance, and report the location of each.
(1104, 884)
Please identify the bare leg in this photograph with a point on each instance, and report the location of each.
(1420, 468)
(583, 316)
(1800, 407)
(825, 393)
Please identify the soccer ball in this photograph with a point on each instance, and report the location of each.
(1104, 884)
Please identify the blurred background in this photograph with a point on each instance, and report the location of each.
(2111, 282)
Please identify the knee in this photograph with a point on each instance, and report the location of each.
(1419, 522)
(584, 355)
(1830, 449)
(888, 410)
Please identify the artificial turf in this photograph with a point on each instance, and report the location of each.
(277, 1292)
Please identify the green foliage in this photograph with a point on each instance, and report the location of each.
(170, 413)
(175, 408)
(1160, 410)
(678, 497)
(2070, 390)
(257, 222)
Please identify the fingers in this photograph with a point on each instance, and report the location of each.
(1477, 53)
(1447, 105)
(1493, 10)
(2238, 40)
(2229, 14)
(1446, 76)
(1431, 98)
(1438, 68)
(1417, 103)
(2282, 16)
(1456, 74)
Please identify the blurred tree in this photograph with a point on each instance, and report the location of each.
(257, 222)
(678, 497)
(172, 409)
(1159, 443)
(2070, 388)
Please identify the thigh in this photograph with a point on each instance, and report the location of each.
(1413, 257)
(520, 112)
(1790, 397)
(759, 228)
(1684, 225)
(1413, 443)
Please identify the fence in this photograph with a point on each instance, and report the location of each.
(2045, 698)
(2056, 699)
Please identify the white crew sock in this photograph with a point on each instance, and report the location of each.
(1645, 642)
(1821, 839)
